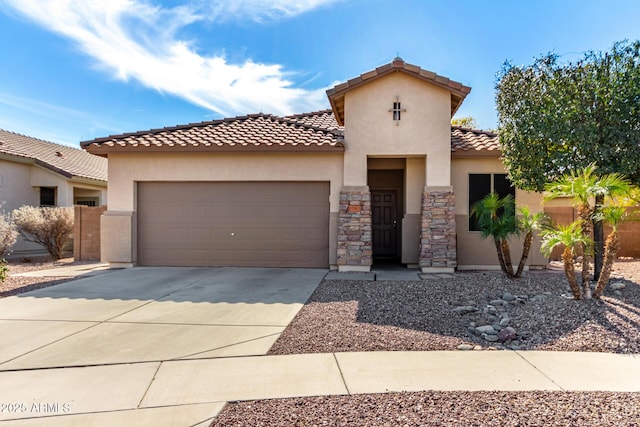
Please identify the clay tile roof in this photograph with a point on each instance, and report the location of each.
(67, 161)
(337, 93)
(321, 119)
(256, 132)
(472, 141)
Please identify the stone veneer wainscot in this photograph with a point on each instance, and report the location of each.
(438, 231)
(355, 251)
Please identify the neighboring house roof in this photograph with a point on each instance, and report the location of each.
(67, 161)
(315, 131)
(466, 141)
(337, 93)
(256, 132)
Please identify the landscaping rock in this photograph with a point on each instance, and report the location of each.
(490, 310)
(465, 347)
(507, 334)
(508, 297)
(490, 338)
(617, 286)
(491, 318)
(505, 321)
(464, 309)
(487, 329)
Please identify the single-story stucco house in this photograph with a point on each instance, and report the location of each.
(41, 173)
(381, 176)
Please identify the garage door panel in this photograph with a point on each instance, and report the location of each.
(275, 224)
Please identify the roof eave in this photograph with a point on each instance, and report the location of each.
(337, 93)
(87, 180)
(102, 150)
(460, 153)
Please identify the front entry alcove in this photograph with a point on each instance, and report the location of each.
(386, 181)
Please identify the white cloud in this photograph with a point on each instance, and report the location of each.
(133, 39)
(260, 10)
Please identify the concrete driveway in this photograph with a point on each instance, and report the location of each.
(122, 320)
(152, 314)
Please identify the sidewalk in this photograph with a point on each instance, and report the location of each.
(191, 392)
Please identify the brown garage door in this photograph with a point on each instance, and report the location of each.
(261, 224)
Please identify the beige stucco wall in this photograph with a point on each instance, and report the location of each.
(16, 191)
(15, 186)
(41, 177)
(127, 169)
(472, 250)
(424, 129)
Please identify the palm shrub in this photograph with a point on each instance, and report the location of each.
(50, 227)
(572, 237)
(612, 215)
(496, 219)
(583, 187)
(579, 186)
(528, 223)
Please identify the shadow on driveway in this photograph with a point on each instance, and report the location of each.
(152, 314)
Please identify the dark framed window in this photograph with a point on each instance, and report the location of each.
(483, 184)
(47, 196)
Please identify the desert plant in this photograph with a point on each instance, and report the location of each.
(584, 186)
(50, 227)
(571, 236)
(4, 270)
(8, 233)
(612, 215)
(527, 224)
(496, 219)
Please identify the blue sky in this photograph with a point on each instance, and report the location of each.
(74, 70)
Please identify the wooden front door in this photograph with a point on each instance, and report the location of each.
(384, 223)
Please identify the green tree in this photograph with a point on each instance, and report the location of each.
(555, 117)
(465, 122)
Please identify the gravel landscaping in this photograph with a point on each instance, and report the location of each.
(440, 409)
(450, 314)
(475, 310)
(14, 285)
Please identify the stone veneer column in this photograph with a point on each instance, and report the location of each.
(355, 252)
(438, 231)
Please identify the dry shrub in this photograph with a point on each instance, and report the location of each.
(8, 233)
(50, 227)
